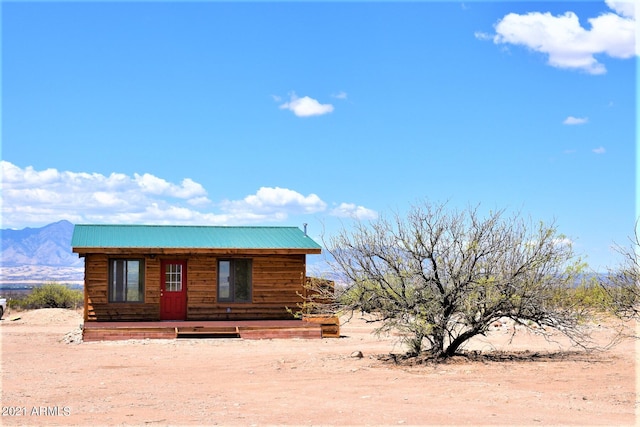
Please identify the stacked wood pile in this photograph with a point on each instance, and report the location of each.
(319, 306)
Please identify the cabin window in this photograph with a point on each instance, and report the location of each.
(126, 280)
(234, 280)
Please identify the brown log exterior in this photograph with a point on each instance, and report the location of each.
(277, 285)
(245, 329)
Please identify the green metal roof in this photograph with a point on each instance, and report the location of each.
(184, 236)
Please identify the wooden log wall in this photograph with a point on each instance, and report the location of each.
(277, 282)
(96, 289)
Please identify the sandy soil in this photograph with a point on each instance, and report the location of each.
(48, 378)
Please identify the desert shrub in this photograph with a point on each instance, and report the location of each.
(15, 300)
(593, 295)
(625, 300)
(53, 295)
(623, 281)
(588, 295)
(445, 277)
(16, 303)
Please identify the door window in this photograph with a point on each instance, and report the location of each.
(173, 278)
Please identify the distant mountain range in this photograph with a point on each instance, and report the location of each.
(33, 256)
(39, 254)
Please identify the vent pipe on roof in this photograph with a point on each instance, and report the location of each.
(305, 229)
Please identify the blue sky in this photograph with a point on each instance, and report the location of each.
(319, 113)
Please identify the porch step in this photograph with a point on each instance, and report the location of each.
(313, 331)
(330, 325)
(259, 329)
(114, 334)
(208, 332)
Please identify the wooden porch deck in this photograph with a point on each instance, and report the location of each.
(246, 329)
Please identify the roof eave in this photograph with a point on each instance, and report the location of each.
(203, 251)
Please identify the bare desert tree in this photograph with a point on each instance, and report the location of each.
(441, 277)
(623, 282)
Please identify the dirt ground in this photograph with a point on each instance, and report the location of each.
(48, 378)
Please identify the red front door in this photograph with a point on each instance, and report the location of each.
(173, 290)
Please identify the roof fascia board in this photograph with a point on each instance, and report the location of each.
(196, 251)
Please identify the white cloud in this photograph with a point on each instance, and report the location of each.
(340, 95)
(599, 150)
(625, 8)
(350, 210)
(39, 197)
(35, 198)
(154, 185)
(275, 200)
(481, 35)
(575, 120)
(566, 43)
(108, 199)
(306, 106)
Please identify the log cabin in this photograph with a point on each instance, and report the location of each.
(153, 273)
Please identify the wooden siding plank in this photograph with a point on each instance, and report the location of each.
(277, 282)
